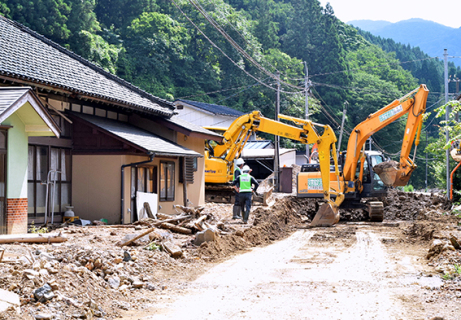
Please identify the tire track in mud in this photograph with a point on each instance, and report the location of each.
(300, 278)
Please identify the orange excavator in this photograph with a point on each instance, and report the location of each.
(367, 174)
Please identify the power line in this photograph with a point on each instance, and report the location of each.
(237, 46)
(220, 50)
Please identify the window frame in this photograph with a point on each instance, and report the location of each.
(163, 184)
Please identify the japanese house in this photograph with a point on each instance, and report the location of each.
(72, 134)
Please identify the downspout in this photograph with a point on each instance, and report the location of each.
(151, 158)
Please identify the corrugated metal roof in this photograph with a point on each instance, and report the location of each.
(213, 108)
(259, 144)
(192, 127)
(263, 153)
(144, 139)
(27, 55)
(13, 98)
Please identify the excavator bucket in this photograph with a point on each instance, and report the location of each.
(327, 216)
(391, 174)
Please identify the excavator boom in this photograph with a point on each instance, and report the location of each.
(392, 174)
(219, 160)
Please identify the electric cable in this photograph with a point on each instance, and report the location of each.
(222, 52)
(237, 46)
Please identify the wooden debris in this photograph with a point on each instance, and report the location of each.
(175, 228)
(33, 238)
(148, 210)
(136, 238)
(198, 223)
(2, 252)
(163, 216)
(189, 210)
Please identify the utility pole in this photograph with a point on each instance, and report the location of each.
(371, 140)
(277, 138)
(454, 78)
(426, 158)
(447, 110)
(342, 128)
(306, 109)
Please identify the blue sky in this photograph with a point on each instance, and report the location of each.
(445, 12)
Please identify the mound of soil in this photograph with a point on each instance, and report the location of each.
(269, 224)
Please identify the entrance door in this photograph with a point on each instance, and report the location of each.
(3, 227)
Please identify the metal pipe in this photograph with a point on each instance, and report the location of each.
(151, 158)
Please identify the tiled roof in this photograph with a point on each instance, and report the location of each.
(26, 55)
(144, 139)
(213, 108)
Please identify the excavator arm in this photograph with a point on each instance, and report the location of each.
(238, 133)
(413, 104)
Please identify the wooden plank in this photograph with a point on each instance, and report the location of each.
(175, 228)
(32, 238)
(136, 238)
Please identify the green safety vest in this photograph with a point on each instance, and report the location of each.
(237, 168)
(245, 182)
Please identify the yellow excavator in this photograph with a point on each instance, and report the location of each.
(367, 174)
(219, 167)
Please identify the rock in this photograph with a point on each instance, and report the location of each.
(137, 284)
(204, 236)
(30, 272)
(43, 272)
(436, 248)
(150, 287)
(8, 299)
(42, 294)
(239, 233)
(47, 256)
(114, 282)
(43, 316)
(126, 256)
(117, 260)
(172, 249)
(454, 242)
(54, 285)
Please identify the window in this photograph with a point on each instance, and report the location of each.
(43, 159)
(167, 181)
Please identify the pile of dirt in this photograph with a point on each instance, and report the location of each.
(412, 205)
(266, 225)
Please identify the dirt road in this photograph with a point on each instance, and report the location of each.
(351, 271)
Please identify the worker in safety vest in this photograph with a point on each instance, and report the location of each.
(237, 172)
(244, 184)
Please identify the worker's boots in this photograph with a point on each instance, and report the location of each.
(236, 212)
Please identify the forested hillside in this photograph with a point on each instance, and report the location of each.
(182, 49)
